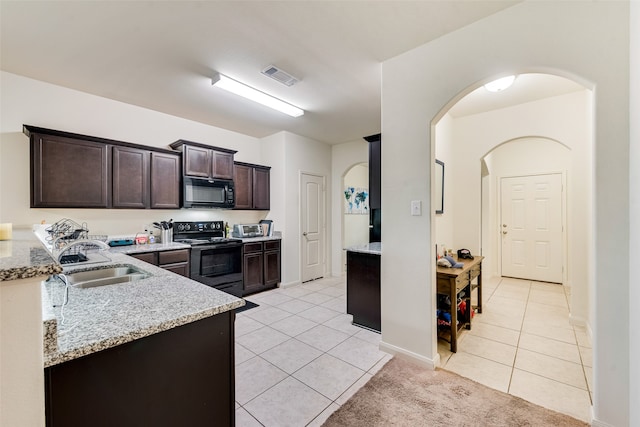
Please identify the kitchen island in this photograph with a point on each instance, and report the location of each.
(363, 285)
(156, 351)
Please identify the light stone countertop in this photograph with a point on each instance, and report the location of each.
(24, 257)
(276, 236)
(98, 318)
(374, 248)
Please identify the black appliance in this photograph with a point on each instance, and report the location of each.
(208, 193)
(216, 261)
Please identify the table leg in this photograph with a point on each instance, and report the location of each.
(454, 315)
(480, 289)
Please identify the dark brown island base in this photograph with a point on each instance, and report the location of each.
(182, 376)
(363, 285)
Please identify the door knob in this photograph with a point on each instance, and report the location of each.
(504, 232)
(504, 225)
(304, 233)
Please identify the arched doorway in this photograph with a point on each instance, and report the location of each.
(480, 145)
(355, 215)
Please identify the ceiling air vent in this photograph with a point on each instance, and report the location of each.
(279, 75)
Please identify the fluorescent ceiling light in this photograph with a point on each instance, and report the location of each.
(500, 84)
(224, 82)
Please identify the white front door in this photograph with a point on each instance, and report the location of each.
(531, 227)
(312, 221)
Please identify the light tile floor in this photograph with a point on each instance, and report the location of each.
(300, 346)
(524, 345)
(298, 357)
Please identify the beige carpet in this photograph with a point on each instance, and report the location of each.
(405, 394)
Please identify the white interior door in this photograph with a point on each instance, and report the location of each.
(531, 227)
(312, 220)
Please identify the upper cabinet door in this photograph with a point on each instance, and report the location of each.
(221, 165)
(243, 181)
(69, 173)
(130, 178)
(165, 181)
(261, 189)
(197, 161)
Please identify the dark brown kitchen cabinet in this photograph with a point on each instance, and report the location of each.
(176, 261)
(363, 289)
(375, 165)
(252, 268)
(261, 266)
(183, 376)
(145, 179)
(130, 178)
(69, 172)
(165, 181)
(205, 161)
(252, 184)
(79, 171)
(271, 263)
(375, 190)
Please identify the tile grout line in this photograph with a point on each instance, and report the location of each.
(515, 356)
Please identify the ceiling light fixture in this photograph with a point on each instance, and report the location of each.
(500, 84)
(233, 86)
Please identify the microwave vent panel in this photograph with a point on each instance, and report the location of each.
(280, 76)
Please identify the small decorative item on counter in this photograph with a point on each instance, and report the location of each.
(141, 238)
(6, 231)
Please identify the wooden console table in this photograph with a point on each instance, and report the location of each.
(451, 281)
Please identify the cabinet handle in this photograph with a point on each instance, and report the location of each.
(304, 233)
(504, 232)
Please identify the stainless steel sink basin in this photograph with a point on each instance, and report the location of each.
(106, 276)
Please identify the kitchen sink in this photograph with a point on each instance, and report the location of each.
(106, 276)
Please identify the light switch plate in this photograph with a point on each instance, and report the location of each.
(416, 207)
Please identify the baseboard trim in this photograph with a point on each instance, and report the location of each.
(289, 284)
(409, 355)
(596, 423)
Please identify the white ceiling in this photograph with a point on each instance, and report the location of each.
(161, 55)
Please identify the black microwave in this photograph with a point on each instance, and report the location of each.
(208, 193)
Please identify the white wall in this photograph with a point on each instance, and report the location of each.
(634, 211)
(27, 101)
(343, 157)
(446, 149)
(586, 39)
(355, 227)
(302, 155)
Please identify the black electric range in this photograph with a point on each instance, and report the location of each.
(216, 260)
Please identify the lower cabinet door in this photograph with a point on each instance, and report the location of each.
(252, 270)
(271, 268)
(181, 269)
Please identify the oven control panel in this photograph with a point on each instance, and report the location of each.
(199, 227)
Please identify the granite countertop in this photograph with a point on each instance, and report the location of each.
(374, 248)
(98, 318)
(24, 257)
(276, 236)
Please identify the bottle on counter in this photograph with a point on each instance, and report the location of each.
(152, 239)
(227, 230)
